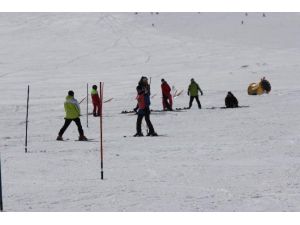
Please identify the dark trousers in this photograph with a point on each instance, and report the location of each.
(67, 123)
(147, 118)
(197, 100)
(96, 109)
(167, 102)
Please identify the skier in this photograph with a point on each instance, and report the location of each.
(166, 95)
(231, 101)
(96, 101)
(143, 83)
(143, 98)
(193, 93)
(72, 110)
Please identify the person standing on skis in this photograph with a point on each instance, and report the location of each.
(143, 83)
(95, 101)
(72, 110)
(166, 95)
(193, 93)
(143, 98)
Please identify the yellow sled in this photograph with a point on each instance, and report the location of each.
(260, 88)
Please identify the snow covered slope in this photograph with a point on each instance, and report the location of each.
(209, 160)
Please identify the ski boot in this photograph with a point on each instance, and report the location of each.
(136, 110)
(59, 138)
(138, 135)
(82, 138)
(152, 134)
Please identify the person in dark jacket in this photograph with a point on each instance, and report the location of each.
(144, 85)
(143, 98)
(231, 101)
(193, 93)
(95, 101)
(166, 95)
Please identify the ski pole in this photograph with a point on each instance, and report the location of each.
(87, 105)
(27, 119)
(82, 100)
(101, 128)
(1, 201)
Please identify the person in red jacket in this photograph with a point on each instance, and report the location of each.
(166, 95)
(96, 101)
(143, 100)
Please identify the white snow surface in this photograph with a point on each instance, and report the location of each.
(243, 159)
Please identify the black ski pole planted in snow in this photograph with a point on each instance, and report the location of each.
(27, 119)
(87, 105)
(1, 201)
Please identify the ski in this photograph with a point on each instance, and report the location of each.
(88, 140)
(153, 96)
(178, 94)
(223, 107)
(159, 135)
(108, 100)
(156, 110)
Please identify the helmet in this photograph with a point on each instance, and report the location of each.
(71, 93)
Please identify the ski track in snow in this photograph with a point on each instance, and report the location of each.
(243, 159)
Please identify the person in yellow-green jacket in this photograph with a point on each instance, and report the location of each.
(72, 110)
(193, 93)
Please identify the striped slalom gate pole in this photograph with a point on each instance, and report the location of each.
(101, 128)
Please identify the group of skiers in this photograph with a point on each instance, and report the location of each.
(142, 109)
(72, 110)
(143, 97)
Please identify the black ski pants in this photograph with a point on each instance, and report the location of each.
(67, 123)
(197, 100)
(147, 119)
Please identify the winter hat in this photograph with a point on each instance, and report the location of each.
(71, 93)
(192, 80)
(162, 80)
(95, 87)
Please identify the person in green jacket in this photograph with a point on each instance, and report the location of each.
(193, 93)
(72, 110)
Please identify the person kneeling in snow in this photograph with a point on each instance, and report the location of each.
(96, 101)
(231, 101)
(72, 110)
(143, 110)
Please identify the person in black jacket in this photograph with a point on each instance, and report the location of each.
(231, 101)
(145, 87)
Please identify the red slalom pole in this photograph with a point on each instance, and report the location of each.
(101, 127)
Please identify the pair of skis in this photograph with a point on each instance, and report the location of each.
(155, 110)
